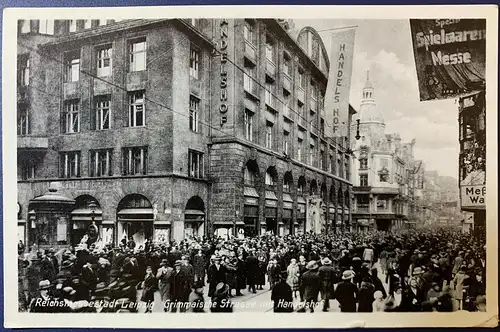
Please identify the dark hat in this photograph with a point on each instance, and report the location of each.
(67, 264)
(198, 284)
(164, 262)
(217, 258)
(44, 284)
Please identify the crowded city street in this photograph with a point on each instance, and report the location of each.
(431, 269)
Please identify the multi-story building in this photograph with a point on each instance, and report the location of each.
(384, 171)
(472, 158)
(162, 129)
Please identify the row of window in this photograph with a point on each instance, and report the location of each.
(101, 115)
(137, 52)
(134, 162)
(46, 27)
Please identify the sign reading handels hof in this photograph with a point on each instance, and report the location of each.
(339, 83)
(450, 56)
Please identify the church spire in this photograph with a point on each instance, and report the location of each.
(368, 90)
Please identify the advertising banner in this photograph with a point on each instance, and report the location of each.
(339, 84)
(449, 55)
(473, 196)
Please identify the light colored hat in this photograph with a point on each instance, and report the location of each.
(44, 284)
(417, 271)
(349, 274)
(378, 295)
(327, 261)
(312, 265)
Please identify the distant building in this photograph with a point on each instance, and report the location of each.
(384, 171)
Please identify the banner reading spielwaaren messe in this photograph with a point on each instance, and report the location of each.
(449, 55)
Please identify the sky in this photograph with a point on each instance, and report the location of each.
(385, 48)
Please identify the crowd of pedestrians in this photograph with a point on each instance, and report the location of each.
(411, 270)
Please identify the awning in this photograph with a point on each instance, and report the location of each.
(136, 211)
(332, 210)
(162, 223)
(270, 195)
(287, 198)
(86, 215)
(300, 134)
(250, 192)
(194, 212)
(301, 200)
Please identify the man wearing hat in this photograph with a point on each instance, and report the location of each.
(311, 283)
(164, 276)
(220, 299)
(216, 274)
(178, 288)
(346, 292)
(327, 276)
(43, 303)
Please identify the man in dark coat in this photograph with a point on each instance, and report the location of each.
(48, 269)
(199, 264)
(240, 275)
(216, 274)
(311, 282)
(281, 295)
(178, 288)
(149, 286)
(88, 279)
(327, 275)
(252, 269)
(346, 292)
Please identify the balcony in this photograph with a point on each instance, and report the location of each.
(287, 83)
(270, 70)
(313, 105)
(301, 95)
(250, 87)
(302, 121)
(250, 51)
(31, 143)
(361, 189)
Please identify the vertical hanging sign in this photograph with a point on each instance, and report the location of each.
(224, 25)
(339, 83)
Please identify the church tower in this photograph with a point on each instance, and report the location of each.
(372, 123)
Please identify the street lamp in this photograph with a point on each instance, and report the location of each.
(92, 231)
(357, 137)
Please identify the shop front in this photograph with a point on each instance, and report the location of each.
(332, 219)
(287, 214)
(135, 219)
(250, 212)
(194, 218)
(271, 213)
(301, 216)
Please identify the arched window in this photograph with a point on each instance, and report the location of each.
(251, 173)
(287, 182)
(271, 176)
(301, 186)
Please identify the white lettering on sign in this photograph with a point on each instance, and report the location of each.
(473, 196)
(224, 25)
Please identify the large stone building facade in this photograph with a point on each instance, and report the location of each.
(387, 179)
(163, 129)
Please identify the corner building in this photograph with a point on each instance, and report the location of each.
(163, 129)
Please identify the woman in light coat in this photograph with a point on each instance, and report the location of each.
(458, 281)
(292, 279)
